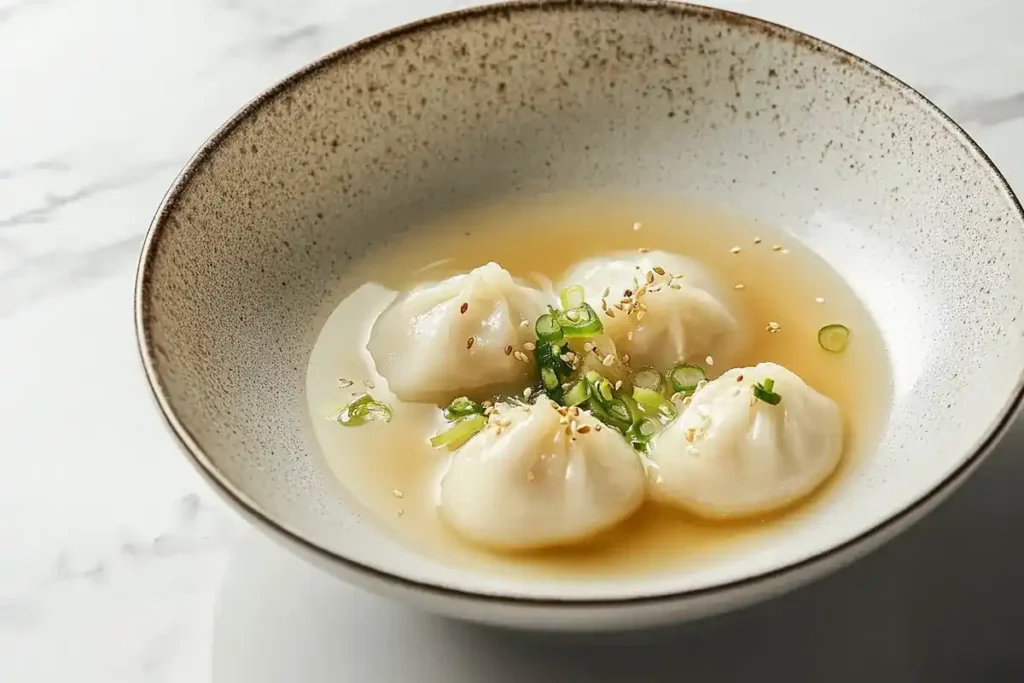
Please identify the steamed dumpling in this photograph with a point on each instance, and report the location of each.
(729, 454)
(421, 343)
(681, 318)
(529, 481)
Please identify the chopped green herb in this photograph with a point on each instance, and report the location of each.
(834, 338)
(548, 329)
(648, 378)
(362, 411)
(653, 401)
(577, 394)
(572, 297)
(462, 407)
(459, 433)
(581, 321)
(765, 392)
(684, 377)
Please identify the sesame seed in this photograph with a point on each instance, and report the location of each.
(675, 286)
(739, 285)
(345, 383)
(659, 270)
(487, 404)
(629, 336)
(604, 305)
(470, 342)
(637, 226)
(587, 346)
(525, 323)
(527, 392)
(644, 250)
(739, 378)
(520, 356)
(776, 247)
(618, 385)
(610, 313)
(597, 428)
(606, 292)
(608, 360)
(567, 386)
(574, 411)
(529, 346)
(773, 327)
(563, 420)
(583, 429)
(640, 315)
(574, 426)
(464, 307)
(757, 240)
(650, 276)
(689, 434)
(572, 315)
(368, 384)
(508, 350)
(628, 293)
(819, 300)
(488, 411)
(687, 400)
(785, 251)
(735, 250)
(709, 360)
(640, 292)
(396, 493)
(701, 384)
(625, 358)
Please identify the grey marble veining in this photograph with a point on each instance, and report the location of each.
(117, 563)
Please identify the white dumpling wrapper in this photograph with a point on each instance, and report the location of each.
(686, 319)
(529, 484)
(419, 344)
(731, 455)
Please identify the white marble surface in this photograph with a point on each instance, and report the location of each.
(117, 564)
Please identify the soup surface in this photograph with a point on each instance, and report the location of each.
(393, 472)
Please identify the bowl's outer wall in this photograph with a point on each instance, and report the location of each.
(244, 261)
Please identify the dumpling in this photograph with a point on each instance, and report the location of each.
(675, 311)
(448, 339)
(731, 454)
(540, 476)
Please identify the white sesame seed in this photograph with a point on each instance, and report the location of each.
(675, 286)
(567, 386)
(773, 327)
(625, 358)
(819, 300)
(640, 315)
(618, 385)
(629, 336)
(396, 493)
(739, 285)
(757, 240)
(368, 384)
(525, 323)
(637, 226)
(785, 251)
(608, 360)
(527, 392)
(610, 313)
(659, 270)
(345, 383)
(643, 250)
(563, 420)
(606, 292)
(709, 360)
(587, 346)
(776, 247)
(572, 315)
(735, 250)
(529, 346)
(649, 277)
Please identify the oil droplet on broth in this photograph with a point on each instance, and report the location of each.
(787, 286)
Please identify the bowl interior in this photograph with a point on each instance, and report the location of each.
(248, 251)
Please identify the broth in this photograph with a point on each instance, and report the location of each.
(392, 470)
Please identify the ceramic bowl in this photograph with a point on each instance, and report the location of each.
(242, 263)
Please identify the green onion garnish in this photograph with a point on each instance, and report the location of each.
(459, 433)
(572, 297)
(764, 392)
(648, 378)
(549, 379)
(684, 378)
(635, 414)
(600, 388)
(577, 394)
(362, 411)
(653, 401)
(834, 337)
(581, 321)
(462, 407)
(548, 329)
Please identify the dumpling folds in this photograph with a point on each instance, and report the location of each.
(681, 314)
(729, 454)
(529, 481)
(421, 343)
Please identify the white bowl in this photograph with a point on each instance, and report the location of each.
(240, 267)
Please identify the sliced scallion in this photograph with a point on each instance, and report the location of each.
(834, 338)
(572, 297)
(684, 377)
(601, 389)
(459, 433)
(765, 392)
(577, 394)
(548, 329)
(648, 378)
(652, 401)
(635, 415)
(581, 321)
(549, 379)
(362, 411)
(462, 407)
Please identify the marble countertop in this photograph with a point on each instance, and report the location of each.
(118, 564)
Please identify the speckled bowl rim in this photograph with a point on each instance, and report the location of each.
(237, 496)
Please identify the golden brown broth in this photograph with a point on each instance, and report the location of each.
(546, 236)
